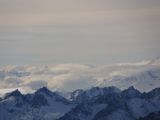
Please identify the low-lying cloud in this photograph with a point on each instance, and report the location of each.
(68, 77)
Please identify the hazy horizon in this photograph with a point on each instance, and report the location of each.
(82, 32)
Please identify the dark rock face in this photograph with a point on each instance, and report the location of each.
(38, 101)
(152, 116)
(39, 105)
(15, 93)
(44, 90)
(131, 92)
(152, 94)
(115, 100)
(108, 103)
(80, 110)
(19, 99)
(94, 93)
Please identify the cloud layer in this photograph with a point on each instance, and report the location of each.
(144, 75)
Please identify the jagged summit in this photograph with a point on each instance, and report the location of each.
(96, 103)
(132, 89)
(131, 92)
(44, 90)
(15, 93)
(129, 104)
(153, 93)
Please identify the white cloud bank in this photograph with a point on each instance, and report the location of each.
(67, 77)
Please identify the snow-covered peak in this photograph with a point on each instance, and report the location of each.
(15, 93)
(92, 104)
(114, 104)
(95, 92)
(73, 95)
(44, 90)
(131, 92)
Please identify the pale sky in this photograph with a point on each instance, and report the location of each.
(78, 31)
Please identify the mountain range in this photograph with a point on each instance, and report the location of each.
(107, 103)
(82, 92)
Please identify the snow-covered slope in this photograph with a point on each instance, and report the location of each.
(42, 105)
(112, 104)
(108, 103)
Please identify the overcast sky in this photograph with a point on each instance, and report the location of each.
(78, 31)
